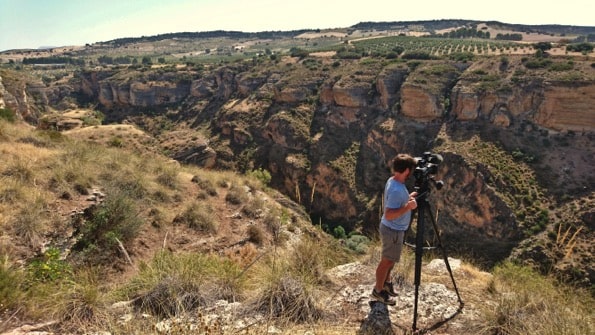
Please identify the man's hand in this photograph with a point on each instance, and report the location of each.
(411, 204)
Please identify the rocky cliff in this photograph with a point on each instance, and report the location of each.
(327, 129)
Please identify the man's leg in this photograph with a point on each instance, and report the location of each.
(382, 273)
(387, 278)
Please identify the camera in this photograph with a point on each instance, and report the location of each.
(427, 165)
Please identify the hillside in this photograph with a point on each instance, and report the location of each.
(98, 238)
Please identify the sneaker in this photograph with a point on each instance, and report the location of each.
(389, 288)
(383, 297)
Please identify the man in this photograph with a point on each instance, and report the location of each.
(398, 204)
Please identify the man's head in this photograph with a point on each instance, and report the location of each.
(403, 162)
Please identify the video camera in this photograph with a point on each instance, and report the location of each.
(427, 165)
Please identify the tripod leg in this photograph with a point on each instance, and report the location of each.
(419, 243)
(444, 255)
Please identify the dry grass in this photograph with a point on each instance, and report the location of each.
(173, 284)
(198, 216)
(527, 303)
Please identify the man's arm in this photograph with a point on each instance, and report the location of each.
(393, 213)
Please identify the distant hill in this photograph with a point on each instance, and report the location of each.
(428, 25)
(448, 23)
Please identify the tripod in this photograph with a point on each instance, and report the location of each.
(423, 207)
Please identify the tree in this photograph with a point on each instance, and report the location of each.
(580, 47)
(297, 52)
(543, 46)
(146, 61)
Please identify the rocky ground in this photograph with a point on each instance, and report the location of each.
(348, 310)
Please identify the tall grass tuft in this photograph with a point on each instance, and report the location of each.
(20, 170)
(198, 216)
(167, 175)
(286, 293)
(29, 223)
(11, 291)
(237, 195)
(292, 281)
(82, 302)
(172, 284)
(288, 297)
(75, 302)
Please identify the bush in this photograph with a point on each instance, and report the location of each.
(49, 267)
(262, 175)
(297, 52)
(358, 243)
(339, 232)
(7, 115)
(116, 219)
(562, 66)
(538, 63)
(115, 142)
(417, 55)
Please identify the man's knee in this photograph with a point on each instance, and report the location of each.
(387, 262)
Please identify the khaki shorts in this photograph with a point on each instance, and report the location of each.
(392, 243)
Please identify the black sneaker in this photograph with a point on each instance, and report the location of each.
(383, 297)
(389, 288)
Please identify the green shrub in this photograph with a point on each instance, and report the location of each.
(7, 115)
(262, 175)
(358, 243)
(538, 63)
(49, 267)
(561, 66)
(116, 219)
(339, 232)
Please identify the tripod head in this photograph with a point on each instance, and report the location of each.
(425, 170)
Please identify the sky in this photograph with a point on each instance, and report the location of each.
(31, 24)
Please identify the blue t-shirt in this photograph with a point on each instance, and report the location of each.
(396, 195)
